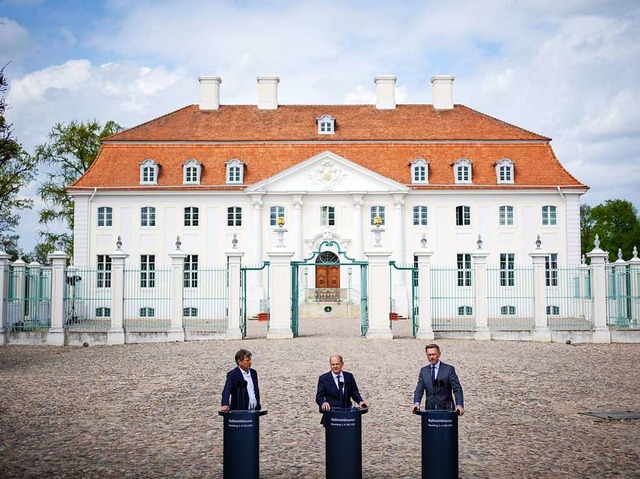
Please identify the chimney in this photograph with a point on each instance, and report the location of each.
(209, 92)
(385, 92)
(268, 92)
(442, 92)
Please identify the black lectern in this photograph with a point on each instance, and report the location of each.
(439, 443)
(343, 442)
(241, 446)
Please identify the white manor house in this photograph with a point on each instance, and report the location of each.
(217, 213)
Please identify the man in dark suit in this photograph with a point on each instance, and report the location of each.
(241, 389)
(337, 388)
(440, 383)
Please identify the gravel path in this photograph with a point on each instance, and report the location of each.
(150, 410)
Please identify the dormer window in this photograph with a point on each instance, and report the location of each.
(505, 171)
(462, 171)
(420, 171)
(326, 125)
(191, 170)
(149, 172)
(235, 172)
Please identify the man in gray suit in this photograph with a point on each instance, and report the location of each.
(440, 383)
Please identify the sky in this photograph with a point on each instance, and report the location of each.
(568, 70)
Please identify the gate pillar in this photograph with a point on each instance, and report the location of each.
(58, 259)
(601, 332)
(280, 315)
(378, 295)
(425, 328)
(234, 325)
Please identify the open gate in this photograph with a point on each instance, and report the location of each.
(327, 260)
(264, 303)
(414, 292)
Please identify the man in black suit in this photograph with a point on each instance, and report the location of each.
(241, 389)
(440, 382)
(337, 388)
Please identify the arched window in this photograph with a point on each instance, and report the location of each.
(235, 172)
(462, 171)
(191, 171)
(505, 171)
(149, 172)
(420, 171)
(326, 125)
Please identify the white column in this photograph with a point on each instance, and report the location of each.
(358, 226)
(425, 328)
(601, 332)
(378, 295)
(296, 232)
(115, 334)
(234, 324)
(280, 318)
(541, 331)
(58, 260)
(481, 331)
(634, 292)
(176, 329)
(4, 295)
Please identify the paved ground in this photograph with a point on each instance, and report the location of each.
(150, 411)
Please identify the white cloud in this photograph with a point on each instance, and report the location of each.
(14, 40)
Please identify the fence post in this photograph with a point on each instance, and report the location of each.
(425, 328)
(4, 295)
(541, 331)
(634, 292)
(378, 295)
(58, 259)
(234, 326)
(33, 280)
(280, 285)
(481, 330)
(176, 329)
(115, 334)
(601, 332)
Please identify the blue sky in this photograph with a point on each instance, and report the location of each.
(568, 70)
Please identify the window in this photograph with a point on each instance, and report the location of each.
(462, 171)
(275, 212)
(553, 310)
(508, 310)
(507, 269)
(377, 211)
(420, 216)
(103, 312)
(235, 172)
(506, 216)
(549, 215)
(105, 216)
(191, 170)
(147, 216)
(234, 216)
(326, 125)
(504, 171)
(463, 215)
(327, 216)
(191, 216)
(103, 271)
(464, 269)
(147, 312)
(551, 270)
(190, 312)
(149, 172)
(420, 171)
(191, 271)
(465, 310)
(148, 271)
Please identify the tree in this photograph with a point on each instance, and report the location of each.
(586, 228)
(617, 224)
(17, 169)
(71, 149)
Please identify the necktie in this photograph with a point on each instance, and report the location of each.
(433, 373)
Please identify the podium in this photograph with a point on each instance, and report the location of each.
(241, 444)
(439, 443)
(343, 442)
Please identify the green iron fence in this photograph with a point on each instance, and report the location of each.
(452, 299)
(257, 271)
(87, 300)
(623, 296)
(29, 299)
(206, 300)
(510, 298)
(147, 300)
(569, 306)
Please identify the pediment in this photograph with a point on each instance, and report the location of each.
(327, 172)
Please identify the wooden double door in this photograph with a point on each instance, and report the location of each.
(327, 275)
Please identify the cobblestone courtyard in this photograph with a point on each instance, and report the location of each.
(150, 411)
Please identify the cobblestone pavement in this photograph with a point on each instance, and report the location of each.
(150, 410)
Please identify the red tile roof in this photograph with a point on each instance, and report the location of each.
(270, 141)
